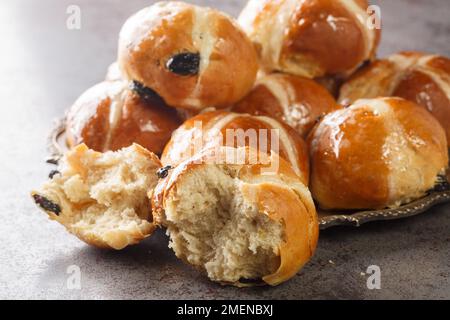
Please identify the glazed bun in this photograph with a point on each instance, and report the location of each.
(102, 198)
(376, 154)
(111, 116)
(297, 101)
(193, 57)
(221, 128)
(310, 38)
(418, 77)
(241, 223)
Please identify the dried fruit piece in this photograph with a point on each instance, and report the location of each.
(144, 92)
(46, 204)
(184, 64)
(53, 173)
(163, 172)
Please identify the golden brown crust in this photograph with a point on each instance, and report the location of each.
(348, 183)
(418, 77)
(287, 201)
(298, 214)
(228, 61)
(297, 101)
(211, 129)
(377, 153)
(311, 38)
(110, 116)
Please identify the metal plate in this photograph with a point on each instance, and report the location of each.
(57, 147)
(356, 219)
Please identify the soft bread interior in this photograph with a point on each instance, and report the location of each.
(215, 228)
(102, 198)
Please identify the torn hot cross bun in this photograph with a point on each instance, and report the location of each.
(114, 115)
(221, 128)
(375, 154)
(311, 38)
(102, 197)
(193, 57)
(418, 77)
(241, 216)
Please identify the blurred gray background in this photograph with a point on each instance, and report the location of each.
(44, 67)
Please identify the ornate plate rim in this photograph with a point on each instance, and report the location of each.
(359, 218)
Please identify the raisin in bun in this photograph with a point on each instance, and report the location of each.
(376, 154)
(310, 38)
(102, 198)
(193, 57)
(241, 222)
(221, 128)
(110, 116)
(422, 78)
(298, 101)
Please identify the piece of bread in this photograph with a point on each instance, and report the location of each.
(102, 198)
(418, 77)
(193, 57)
(221, 128)
(112, 116)
(243, 222)
(297, 101)
(311, 38)
(377, 153)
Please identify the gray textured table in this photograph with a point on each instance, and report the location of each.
(44, 67)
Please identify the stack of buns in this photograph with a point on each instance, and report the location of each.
(230, 133)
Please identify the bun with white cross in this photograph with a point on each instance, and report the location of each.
(115, 114)
(300, 102)
(311, 38)
(193, 57)
(377, 153)
(418, 77)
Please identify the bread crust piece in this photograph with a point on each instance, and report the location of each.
(415, 76)
(110, 116)
(375, 154)
(311, 38)
(220, 61)
(212, 129)
(297, 101)
(277, 194)
(102, 198)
